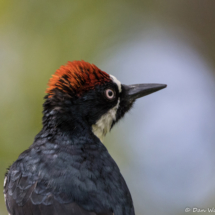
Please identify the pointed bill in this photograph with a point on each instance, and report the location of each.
(139, 90)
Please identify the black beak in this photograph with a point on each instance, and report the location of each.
(136, 91)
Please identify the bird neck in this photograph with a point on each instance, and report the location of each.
(62, 122)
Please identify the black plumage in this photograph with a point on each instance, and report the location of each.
(67, 170)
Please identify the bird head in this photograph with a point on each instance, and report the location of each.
(81, 93)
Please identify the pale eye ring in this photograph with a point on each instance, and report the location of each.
(110, 94)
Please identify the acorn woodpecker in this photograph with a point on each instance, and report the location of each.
(67, 170)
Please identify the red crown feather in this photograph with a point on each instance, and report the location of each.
(77, 76)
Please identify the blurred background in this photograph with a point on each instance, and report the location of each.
(165, 146)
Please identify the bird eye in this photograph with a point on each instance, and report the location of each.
(110, 94)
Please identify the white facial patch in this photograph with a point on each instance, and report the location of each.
(115, 80)
(103, 125)
(5, 179)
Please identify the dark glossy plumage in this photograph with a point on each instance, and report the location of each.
(52, 178)
(67, 170)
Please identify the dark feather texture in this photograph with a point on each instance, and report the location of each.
(67, 170)
(49, 178)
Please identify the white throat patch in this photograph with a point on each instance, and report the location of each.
(115, 80)
(103, 125)
(5, 179)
